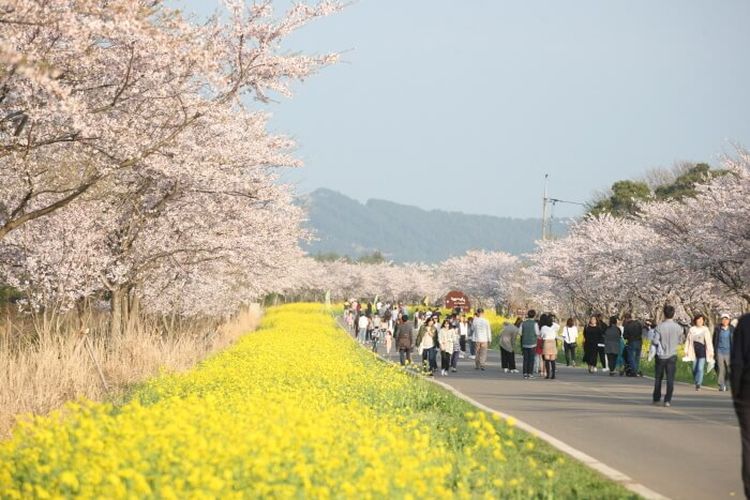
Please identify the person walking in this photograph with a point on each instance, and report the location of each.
(507, 340)
(722, 343)
(529, 335)
(445, 339)
(740, 383)
(377, 332)
(404, 339)
(667, 337)
(456, 347)
(633, 335)
(482, 339)
(591, 336)
(548, 334)
(472, 344)
(600, 346)
(699, 349)
(428, 342)
(363, 324)
(389, 328)
(463, 331)
(570, 341)
(612, 344)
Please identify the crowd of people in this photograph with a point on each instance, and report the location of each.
(614, 346)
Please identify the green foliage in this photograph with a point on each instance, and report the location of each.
(627, 194)
(330, 257)
(8, 294)
(684, 185)
(624, 199)
(374, 258)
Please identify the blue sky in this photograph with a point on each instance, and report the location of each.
(465, 105)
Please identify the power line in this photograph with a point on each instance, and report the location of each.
(547, 212)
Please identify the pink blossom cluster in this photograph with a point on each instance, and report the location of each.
(133, 163)
(486, 276)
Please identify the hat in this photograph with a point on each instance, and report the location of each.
(725, 315)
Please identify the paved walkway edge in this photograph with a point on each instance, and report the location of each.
(588, 460)
(604, 469)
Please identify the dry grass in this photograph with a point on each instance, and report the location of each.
(40, 372)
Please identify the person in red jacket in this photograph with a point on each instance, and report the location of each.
(740, 374)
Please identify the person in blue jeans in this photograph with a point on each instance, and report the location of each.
(699, 348)
(722, 342)
(529, 336)
(633, 335)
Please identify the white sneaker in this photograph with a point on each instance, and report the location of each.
(514, 371)
(605, 369)
(505, 370)
(472, 357)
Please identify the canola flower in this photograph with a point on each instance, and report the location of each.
(295, 409)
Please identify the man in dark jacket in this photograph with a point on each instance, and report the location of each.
(740, 376)
(633, 335)
(405, 339)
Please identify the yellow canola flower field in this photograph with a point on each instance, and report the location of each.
(296, 409)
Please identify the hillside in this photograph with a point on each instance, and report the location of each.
(409, 234)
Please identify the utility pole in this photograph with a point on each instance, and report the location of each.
(546, 201)
(544, 208)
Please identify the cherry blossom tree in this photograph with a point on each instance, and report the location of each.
(132, 163)
(93, 89)
(483, 275)
(709, 234)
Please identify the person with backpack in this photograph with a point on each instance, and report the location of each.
(529, 336)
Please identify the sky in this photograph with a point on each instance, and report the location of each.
(465, 105)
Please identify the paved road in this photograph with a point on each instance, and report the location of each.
(691, 450)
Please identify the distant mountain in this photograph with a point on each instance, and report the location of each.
(405, 233)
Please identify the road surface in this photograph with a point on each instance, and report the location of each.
(688, 451)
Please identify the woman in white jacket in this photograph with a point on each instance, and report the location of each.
(699, 348)
(570, 341)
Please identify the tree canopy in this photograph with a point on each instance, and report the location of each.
(626, 195)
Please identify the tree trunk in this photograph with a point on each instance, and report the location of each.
(119, 312)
